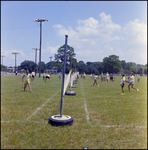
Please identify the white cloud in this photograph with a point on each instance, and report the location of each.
(103, 37)
(52, 50)
(8, 52)
(136, 33)
(108, 47)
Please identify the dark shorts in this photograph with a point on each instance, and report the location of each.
(32, 76)
(47, 77)
(122, 85)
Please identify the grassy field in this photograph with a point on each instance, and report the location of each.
(103, 118)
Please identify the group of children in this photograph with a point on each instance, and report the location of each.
(94, 76)
(27, 77)
(130, 81)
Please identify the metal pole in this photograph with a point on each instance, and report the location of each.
(64, 65)
(35, 59)
(40, 20)
(15, 58)
(15, 62)
(36, 62)
(71, 70)
(40, 49)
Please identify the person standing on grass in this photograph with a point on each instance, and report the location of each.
(60, 76)
(138, 77)
(16, 73)
(114, 78)
(95, 80)
(27, 80)
(131, 82)
(107, 77)
(44, 75)
(84, 75)
(122, 83)
(33, 74)
(101, 76)
(111, 77)
(47, 77)
(81, 75)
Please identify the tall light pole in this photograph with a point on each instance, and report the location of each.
(40, 20)
(2, 62)
(15, 58)
(35, 58)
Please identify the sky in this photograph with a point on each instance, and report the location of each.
(95, 29)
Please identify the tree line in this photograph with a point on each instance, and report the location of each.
(110, 64)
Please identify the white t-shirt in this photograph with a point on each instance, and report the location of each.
(95, 77)
(107, 76)
(27, 77)
(123, 79)
(132, 78)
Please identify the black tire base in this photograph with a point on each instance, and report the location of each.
(65, 120)
(70, 93)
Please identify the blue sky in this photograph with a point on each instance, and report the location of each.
(95, 29)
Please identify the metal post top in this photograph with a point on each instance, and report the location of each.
(66, 35)
(35, 48)
(40, 20)
(15, 53)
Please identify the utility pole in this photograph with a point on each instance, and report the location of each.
(50, 61)
(2, 62)
(35, 58)
(40, 20)
(15, 58)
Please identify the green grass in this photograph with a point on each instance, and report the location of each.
(103, 118)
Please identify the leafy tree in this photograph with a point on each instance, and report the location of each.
(134, 69)
(145, 70)
(3, 68)
(123, 64)
(141, 70)
(27, 65)
(50, 65)
(112, 64)
(59, 57)
(81, 66)
(43, 66)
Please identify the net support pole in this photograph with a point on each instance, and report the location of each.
(64, 65)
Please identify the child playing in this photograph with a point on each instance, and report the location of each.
(107, 77)
(47, 77)
(33, 74)
(60, 76)
(95, 80)
(131, 82)
(122, 83)
(27, 81)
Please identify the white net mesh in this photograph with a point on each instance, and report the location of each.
(73, 77)
(66, 81)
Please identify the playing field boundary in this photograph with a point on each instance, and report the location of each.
(102, 126)
(41, 106)
(85, 105)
